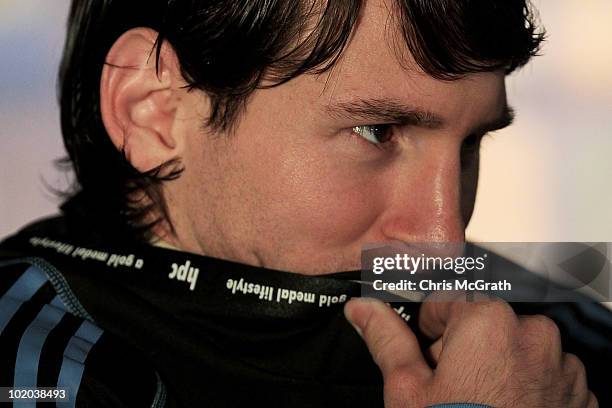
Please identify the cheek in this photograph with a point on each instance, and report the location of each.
(307, 196)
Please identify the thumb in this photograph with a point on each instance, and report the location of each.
(390, 341)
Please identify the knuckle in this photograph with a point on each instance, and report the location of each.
(493, 322)
(593, 402)
(574, 373)
(545, 327)
(540, 339)
(497, 308)
(575, 365)
(495, 313)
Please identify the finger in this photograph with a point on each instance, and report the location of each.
(434, 351)
(592, 403)
(436, 316)
(390, 342)
(541, 332)
(575, 372)
(434, 312)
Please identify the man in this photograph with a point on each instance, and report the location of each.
(217, 143)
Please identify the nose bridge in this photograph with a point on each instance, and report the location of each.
(426, 206)
(446, 202)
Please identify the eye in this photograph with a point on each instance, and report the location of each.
(376, 134)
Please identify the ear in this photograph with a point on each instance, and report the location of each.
(139, 104)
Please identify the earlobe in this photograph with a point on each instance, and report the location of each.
(139, 103)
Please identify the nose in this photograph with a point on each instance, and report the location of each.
(425, 203)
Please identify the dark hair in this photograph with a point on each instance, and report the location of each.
(226, 48)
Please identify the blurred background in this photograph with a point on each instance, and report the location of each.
(547, 178)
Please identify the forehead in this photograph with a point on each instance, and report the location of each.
(378, 65)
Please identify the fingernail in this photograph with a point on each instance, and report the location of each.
(350, 315)
(357, 329)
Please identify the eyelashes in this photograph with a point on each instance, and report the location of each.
(382, 135)
(375, 134)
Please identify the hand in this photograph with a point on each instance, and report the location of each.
(483, 353)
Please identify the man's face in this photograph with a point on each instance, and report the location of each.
(301, 184)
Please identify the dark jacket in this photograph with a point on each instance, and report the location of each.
(120, 323)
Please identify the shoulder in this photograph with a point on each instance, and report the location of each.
(47, 339)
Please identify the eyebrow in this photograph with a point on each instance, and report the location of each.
(378, 111)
